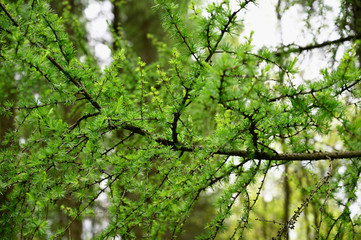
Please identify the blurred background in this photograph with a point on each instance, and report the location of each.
(281, 26)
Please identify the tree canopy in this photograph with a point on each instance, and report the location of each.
(210, 118)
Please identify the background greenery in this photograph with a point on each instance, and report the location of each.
(185, 133)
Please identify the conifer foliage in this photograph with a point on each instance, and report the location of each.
(209, 115)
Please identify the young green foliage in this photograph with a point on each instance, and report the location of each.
(153, 138)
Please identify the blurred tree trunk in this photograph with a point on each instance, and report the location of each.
(134, 20)
(264, 224)
(307, 212)
(287, 193)
(137, 20)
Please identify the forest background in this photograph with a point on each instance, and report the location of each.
(189, 130)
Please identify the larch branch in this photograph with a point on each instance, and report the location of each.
(300, 49)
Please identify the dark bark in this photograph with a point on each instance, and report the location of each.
(298, 49)
(137, 21)
(287, 200)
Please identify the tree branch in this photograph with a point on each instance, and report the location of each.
(230, 152)
(9, 15)
(72, 79)
(294, 156)
(299, 49)
(315, 156)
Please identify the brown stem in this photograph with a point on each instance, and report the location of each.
(299, 49)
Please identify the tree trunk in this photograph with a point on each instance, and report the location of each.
(286, 206)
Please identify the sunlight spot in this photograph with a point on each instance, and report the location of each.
(37, 97)
(268, 196)
(356, 206)
(82, 59)
(293, 233)
(22, 141)
(232, 178)
(261, 20)
(103, 53)
(318, 138)
(93, 10)
(342, 170)
(338, 145)
(99, 27)
(17, 76)
(99, 15)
